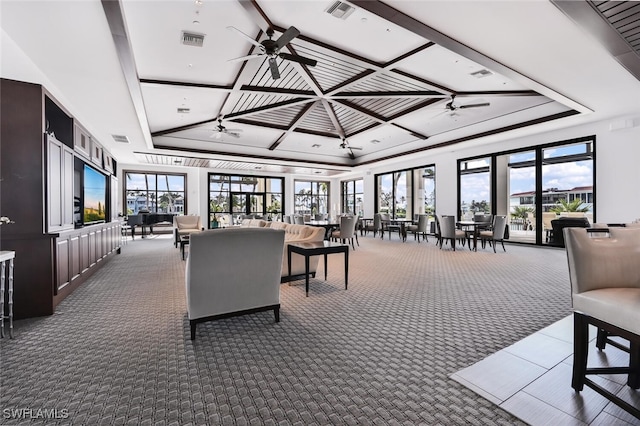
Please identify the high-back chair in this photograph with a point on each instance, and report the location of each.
(286, 219)
(347, 230)
(217, 287)
(376, 226)
(299, 220)
(495, 235)
(605, 292)
(185, 225)
(420, 229)
(448, 231)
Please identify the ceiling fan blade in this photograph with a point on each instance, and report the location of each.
(245, 58)
(216, 135)
(352, 155)
(287, 36)
(485, 104)
(273, 65)
(233, 134)
(249, 39)
(234, 130)
(299, 59)
(355, 147)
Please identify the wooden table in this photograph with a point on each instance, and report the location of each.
(402, 223)
(318, 248)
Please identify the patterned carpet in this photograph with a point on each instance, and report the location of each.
(117, 351)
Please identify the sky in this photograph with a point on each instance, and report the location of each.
(95, 188)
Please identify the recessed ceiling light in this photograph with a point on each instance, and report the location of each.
(177, 161)
(316, 145)
(317, 172)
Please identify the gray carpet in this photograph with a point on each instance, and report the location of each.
(117, 351)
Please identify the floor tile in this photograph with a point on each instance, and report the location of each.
(541, 349)
(536, 412)
(554, 388)
(501, 374)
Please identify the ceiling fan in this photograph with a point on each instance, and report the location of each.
(220, 130)
(452, 106)
(271, 49)
(345, 145)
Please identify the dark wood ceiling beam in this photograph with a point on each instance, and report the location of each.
(301, 116)
(411, 132)
(350, 81)
(413, 108)
(270, 107)
(181, 128)
(364, 111)
(276, 91)
(260, 124)
(424, 81)
(409, 23)
(225, 88)
(409, 54)
(504, 93)
(390, 94)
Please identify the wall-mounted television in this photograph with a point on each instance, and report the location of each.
(94, 209)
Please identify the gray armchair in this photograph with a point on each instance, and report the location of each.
(185, 225)
(233, 271)
(605, 292)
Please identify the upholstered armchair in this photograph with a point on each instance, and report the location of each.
(185, 225)
(605, 292)
(233, 271)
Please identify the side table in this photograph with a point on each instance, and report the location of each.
(184, 240)
(318, 248)
(6, 269)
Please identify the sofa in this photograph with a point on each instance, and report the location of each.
(232, 272)
(292, 233)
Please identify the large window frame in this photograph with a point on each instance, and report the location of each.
(311, 197)
(232, 197)
(352, 196)
(542, 197)
(411, 200)
(154, 192)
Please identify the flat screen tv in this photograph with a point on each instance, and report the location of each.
(95, 196)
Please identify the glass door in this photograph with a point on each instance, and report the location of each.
(521, 181)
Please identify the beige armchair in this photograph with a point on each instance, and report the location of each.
(185, 225)
(605, 292)
(233, 271)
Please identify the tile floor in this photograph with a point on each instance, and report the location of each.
(531, 379)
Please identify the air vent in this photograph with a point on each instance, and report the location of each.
(482, 73)
(120, 138)
(184, 110)
(192, 39)
(340, 10)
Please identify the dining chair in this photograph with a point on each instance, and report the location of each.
(437, 226)
(347, 230)
(605, 293)
(388, 226)
(286, 219)
(375, 226)
(496, 234)
(420, 229)
(299, 220)
(448, 231)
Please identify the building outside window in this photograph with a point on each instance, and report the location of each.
(404, 194)
(154, 192)
(311, 198)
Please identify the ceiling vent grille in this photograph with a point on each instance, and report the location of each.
(482, 73)
(192, 39)
(184, 110)
(340, 10)
(120, 138)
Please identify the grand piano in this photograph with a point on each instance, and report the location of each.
(147, 219)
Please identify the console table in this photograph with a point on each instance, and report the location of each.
(6, 269)
(318, 248)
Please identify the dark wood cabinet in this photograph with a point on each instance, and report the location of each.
(38, 155)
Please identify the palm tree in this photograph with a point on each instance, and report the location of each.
(569, 206)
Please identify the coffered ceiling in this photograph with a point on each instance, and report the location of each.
(390, 79)
(383, 84)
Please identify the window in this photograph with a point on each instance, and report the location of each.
(154, 192)
(475, 186)
(351, 194)
(311, 197)
(406, 193)
(233, 197)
